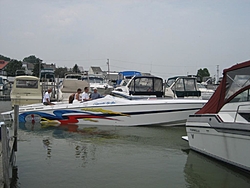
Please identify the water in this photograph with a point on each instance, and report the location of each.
(111, 157)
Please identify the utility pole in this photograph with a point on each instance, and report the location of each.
(40, 67)
(217, 73)
(108, 68)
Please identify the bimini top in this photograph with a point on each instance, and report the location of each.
(235, 80)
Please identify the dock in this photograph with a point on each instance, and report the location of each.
(8, 147)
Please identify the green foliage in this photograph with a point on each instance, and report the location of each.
(36, 61)
(32, 59)
(60, 72)
(76, 69)
(4, 58)
(201, 73)
(12, 67)
(36, 70)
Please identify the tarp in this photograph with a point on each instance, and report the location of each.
(222, 94)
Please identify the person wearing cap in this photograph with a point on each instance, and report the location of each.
(95, 94)
(85, 95)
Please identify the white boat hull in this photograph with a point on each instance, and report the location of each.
(226, 141)
(112, 111)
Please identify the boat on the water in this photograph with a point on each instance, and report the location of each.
(4, 83)
(99, 82)
(68, 87)
(137, 108)
(221, 129)
(182, 87)
(26, 90)
(139, 86)
(110, 110)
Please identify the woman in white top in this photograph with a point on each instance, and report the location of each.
(85, 95)
(78, 96)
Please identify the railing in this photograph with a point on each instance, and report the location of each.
(238, 109)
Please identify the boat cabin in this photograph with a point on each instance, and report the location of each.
(47, 75)
(182, 87)
(143, 85)
(26, 90)
(73, 76)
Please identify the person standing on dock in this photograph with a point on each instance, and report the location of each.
(85, 95)
(46, 97)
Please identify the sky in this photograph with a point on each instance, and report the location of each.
(162, 37)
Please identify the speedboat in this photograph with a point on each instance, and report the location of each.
(110, 110)
(221, 129)
(139, 107)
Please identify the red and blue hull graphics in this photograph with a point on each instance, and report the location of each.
(63, 116)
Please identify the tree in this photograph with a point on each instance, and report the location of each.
(12, 67)
(32, 59)
(201, 73)
(4, 58)
(37, 64)
(36, 70)
(60, 72)
(76, 69)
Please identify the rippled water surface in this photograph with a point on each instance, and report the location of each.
(111, 157)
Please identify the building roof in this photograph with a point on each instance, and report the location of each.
(96, 69)
(3, 64)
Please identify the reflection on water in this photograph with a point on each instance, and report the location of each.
(202, 171)
(109, 156)
(47, 145)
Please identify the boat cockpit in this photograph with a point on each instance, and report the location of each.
(143, 86)
(182, 86)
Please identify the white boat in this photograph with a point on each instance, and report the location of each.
(26, 90)
(110, 110)
(3, 83)
(140, 87)
(205, 92)
(182, 87)
(98, 81)
(221, 129)
(118, 110)
(70, 86)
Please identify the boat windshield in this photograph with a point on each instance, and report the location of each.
(170, 82)
(47, 77)
(200, 86)
(76, 77)
(94, 80)
(242, 97)
(31, 84)
(146, 84)
(185, 84)
(236, 83)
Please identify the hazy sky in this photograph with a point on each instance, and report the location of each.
(164, 37)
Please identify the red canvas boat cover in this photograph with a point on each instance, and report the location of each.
(235, 80)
